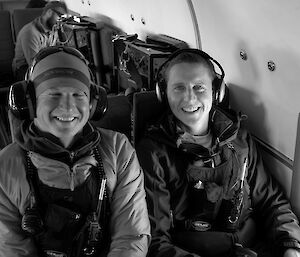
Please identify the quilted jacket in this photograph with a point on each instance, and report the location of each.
(66, 169)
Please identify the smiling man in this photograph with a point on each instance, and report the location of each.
(68, 189)
(207, 191)
(63, 95)
(190, 94)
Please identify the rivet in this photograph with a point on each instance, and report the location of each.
(243, 55)
(271, 65)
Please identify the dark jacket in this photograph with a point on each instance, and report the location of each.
(68, 170)
(176, 199)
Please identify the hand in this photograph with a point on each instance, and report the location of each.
(291, 253)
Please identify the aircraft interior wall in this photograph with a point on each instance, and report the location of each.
(142, 17)
(257, 44)
(255, 41)
(250, 39)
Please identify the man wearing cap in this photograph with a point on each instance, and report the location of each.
(36, 35)
(68, 189)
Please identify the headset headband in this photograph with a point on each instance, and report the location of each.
(194, 51)
(52, 50)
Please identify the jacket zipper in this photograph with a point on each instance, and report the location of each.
(72, 183)
(241, 175)
(172, 219)
(231, 147)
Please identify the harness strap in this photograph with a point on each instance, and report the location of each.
(34, 209)
(102, 194)
(31, 176)
(95, 230)
(32, 223)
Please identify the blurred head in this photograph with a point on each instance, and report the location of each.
(189, 90)
(53, 11)
(62, 86)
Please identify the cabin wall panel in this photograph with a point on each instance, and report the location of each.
(266, 30)
(171, 17)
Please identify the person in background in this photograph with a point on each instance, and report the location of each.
(67, 188)
(36, 35)
(208, 193)
(36, 4)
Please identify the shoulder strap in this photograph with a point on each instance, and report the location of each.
(96, 222)
(32, 223)
(102, 192)
(31, 176)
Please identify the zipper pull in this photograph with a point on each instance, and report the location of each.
(230, 146)
(244, 171)
(72, 181)
(172, 219)
(72, 154)
(212, 162)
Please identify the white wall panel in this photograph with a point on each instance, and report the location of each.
(266, 30)
(171, 17)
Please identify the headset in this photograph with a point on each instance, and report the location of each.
(22, 98)
(219, 87)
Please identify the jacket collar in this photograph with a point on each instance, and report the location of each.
(224, 126)
(31, 139)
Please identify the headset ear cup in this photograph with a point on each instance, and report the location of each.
(98, 100)
(28, 72)
(224, 96)
(22, 100)
(219, 90)
(158, 92)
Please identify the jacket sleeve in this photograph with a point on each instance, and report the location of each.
(130, 226)
(13, 191)
(158, 200)
(271, 206)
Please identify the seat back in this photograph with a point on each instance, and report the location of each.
(117, 116)
(103, 53)
(20, 17)
(5, 137)
(146, 109)
(6, 49)
(6, 74)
